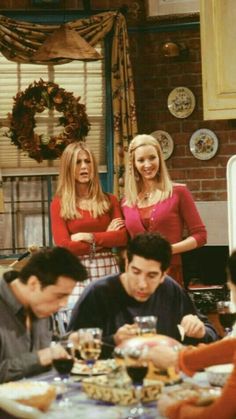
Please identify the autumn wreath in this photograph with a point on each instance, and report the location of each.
(36, 98)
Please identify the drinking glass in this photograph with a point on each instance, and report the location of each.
(63, 360)
(146, 325)
(137, 369)
(227, 318)
(90, 343)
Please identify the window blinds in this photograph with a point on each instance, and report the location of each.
(84, 79)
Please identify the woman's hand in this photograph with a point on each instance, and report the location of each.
(84, 237)
(162, 356)
(116, 224)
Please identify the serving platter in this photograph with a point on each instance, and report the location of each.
(166, 142)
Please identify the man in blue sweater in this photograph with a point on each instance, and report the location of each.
(143, 289)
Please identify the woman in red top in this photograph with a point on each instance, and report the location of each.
(154, 203)
(84, 219)
(193, 359)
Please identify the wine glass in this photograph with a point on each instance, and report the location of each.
(90, 343)
(226, 316)
(63, 360)
(136, 368)
(146, 325)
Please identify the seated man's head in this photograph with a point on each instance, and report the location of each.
(47, 280)
(148, 258)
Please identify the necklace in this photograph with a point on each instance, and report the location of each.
(147, 198)
(147, 195)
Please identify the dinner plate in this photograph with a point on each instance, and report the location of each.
(181, 102)
(18, 410)
(101, 367)
(203, 144)
(166, 142)
(204, 395)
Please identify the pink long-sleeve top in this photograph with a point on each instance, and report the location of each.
(170, 218)
(63, 229)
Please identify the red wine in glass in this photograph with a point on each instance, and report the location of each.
(63, 360)
(63, 366)
(226, 317)
(227, 320)
(137, 373)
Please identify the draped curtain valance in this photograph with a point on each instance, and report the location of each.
(20, 40)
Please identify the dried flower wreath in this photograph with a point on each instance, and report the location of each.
(38, 96)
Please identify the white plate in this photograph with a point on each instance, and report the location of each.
(181, 102)
(19, 410)
(166, 142)
(203, 144)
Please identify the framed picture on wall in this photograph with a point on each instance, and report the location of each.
(172, 8)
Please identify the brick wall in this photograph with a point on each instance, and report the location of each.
(155, 77)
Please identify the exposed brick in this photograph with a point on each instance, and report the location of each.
(155, 76)
(200, 173)
(214, 185)
(220, 172)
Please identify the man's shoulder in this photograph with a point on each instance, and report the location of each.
(170, 284)
(102, 284)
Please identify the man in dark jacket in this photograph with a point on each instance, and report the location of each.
(143, 289)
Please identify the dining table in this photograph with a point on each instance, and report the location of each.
(81, 406)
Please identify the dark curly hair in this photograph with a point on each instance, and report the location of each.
(48, 265)
(150, 246)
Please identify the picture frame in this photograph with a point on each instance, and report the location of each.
(172, 8)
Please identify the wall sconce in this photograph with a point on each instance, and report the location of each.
(173, 49)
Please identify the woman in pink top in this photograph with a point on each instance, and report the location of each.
(84, 219)
(154, 203)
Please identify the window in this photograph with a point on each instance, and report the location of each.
(28, 185)
(84, 79)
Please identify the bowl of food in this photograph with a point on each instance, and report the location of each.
(117, 388)
(217, 375)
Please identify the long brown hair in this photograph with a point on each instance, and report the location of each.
(66, 189)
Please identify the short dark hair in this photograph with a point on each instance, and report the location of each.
(49, 264)
(150, 246)
(231, 267)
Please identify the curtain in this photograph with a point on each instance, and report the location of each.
(20, 40)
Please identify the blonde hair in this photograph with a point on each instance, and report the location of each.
(66, 189)
(133, 180)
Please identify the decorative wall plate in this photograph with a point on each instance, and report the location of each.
(203, 144)
(181, 102)
(166, 142)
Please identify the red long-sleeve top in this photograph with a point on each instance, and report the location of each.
(63, 229)
(194, 359)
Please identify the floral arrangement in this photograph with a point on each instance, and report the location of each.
(38, 96)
